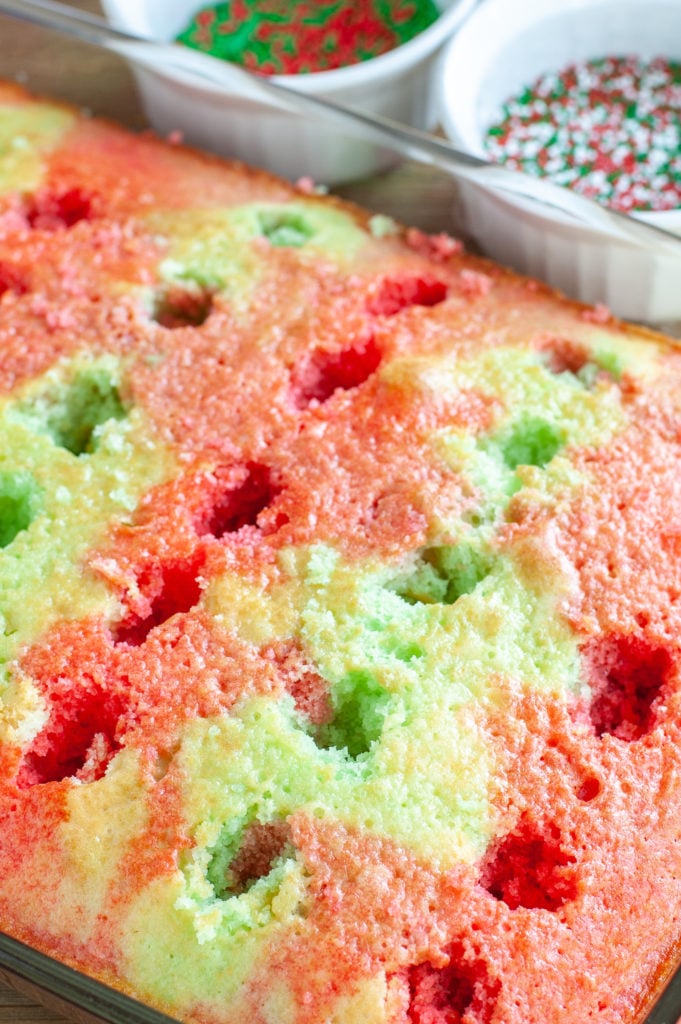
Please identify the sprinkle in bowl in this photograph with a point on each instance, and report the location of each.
(398, 84)
(500, 54)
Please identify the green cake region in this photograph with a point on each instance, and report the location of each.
(216, 249)
(74, 458)
(28, 133)
(401, 757)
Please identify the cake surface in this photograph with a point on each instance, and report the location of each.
(340, 580)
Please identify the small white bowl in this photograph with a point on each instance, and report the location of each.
(504, 46)
(398, 84)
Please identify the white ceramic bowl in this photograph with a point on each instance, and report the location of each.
(505, 45)
(398, 84)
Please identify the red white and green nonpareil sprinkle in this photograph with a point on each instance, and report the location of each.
(608, 128)
(288, 37)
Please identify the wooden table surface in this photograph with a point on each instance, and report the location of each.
(101, 83)
(19, 1009)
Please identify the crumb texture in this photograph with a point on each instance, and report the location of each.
(340, 605)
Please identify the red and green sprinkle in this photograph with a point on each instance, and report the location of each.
(289, 37)
(608, 128)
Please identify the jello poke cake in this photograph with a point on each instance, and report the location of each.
(340, 579)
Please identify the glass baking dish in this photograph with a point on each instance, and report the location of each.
(69, 992)
(86, 1001)
(422, 197)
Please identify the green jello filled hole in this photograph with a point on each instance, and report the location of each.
(285, 228)
(19, 504)
(444, 573)
(71, 414)
(360, 708)
(531, 441)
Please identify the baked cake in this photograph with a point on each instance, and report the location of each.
(341, 605)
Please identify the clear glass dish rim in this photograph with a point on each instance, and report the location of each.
(71, 988)
(93, 1001)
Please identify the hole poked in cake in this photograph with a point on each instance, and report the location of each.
(171, 589)
(627, 675)
(360, 707)
(12, 280)
(444, 573)
(564, 355)
(240, 505)
(73, 413)
(79, 739)
(530, 441)
(302, 680)
(285, 228)
(19, 504)
(326, 372)
(530, 868)
(183, 305)
(244, 857)
(589, 789)
(394, 294)
(461, 990)
(49, 210)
